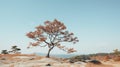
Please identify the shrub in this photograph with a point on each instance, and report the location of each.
(4, 52)
(95, 62)
(80, 58)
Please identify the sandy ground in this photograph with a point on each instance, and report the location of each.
(35, 61)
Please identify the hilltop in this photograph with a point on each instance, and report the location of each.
(32, 60)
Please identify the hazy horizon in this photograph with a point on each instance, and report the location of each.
(96, 23)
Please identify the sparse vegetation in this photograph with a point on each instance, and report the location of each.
(4, 52)
(79, 58)
(116, 52)
(116, 55)
(14, 49)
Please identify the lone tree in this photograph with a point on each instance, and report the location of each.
(51, 35)
(14, 49)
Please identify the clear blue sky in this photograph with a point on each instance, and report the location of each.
(95, 22)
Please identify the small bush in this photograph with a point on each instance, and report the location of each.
(79, 58)
(95, 62)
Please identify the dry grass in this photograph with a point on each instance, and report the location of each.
(9, 56)
(11, 60)
(117, 58)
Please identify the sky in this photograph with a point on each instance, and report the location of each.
(96, 23)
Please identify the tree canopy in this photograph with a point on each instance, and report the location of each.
(51, 34)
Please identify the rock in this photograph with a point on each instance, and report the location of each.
(48, 64)
(71, 61)
(31, 59)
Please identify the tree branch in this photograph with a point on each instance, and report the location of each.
(54, 37)
(46, 42)
(50, 37)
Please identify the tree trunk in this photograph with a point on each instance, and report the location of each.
(48, 54)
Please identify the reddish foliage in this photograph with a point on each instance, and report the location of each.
(52, 34)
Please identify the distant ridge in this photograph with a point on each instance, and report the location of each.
(57, 55)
